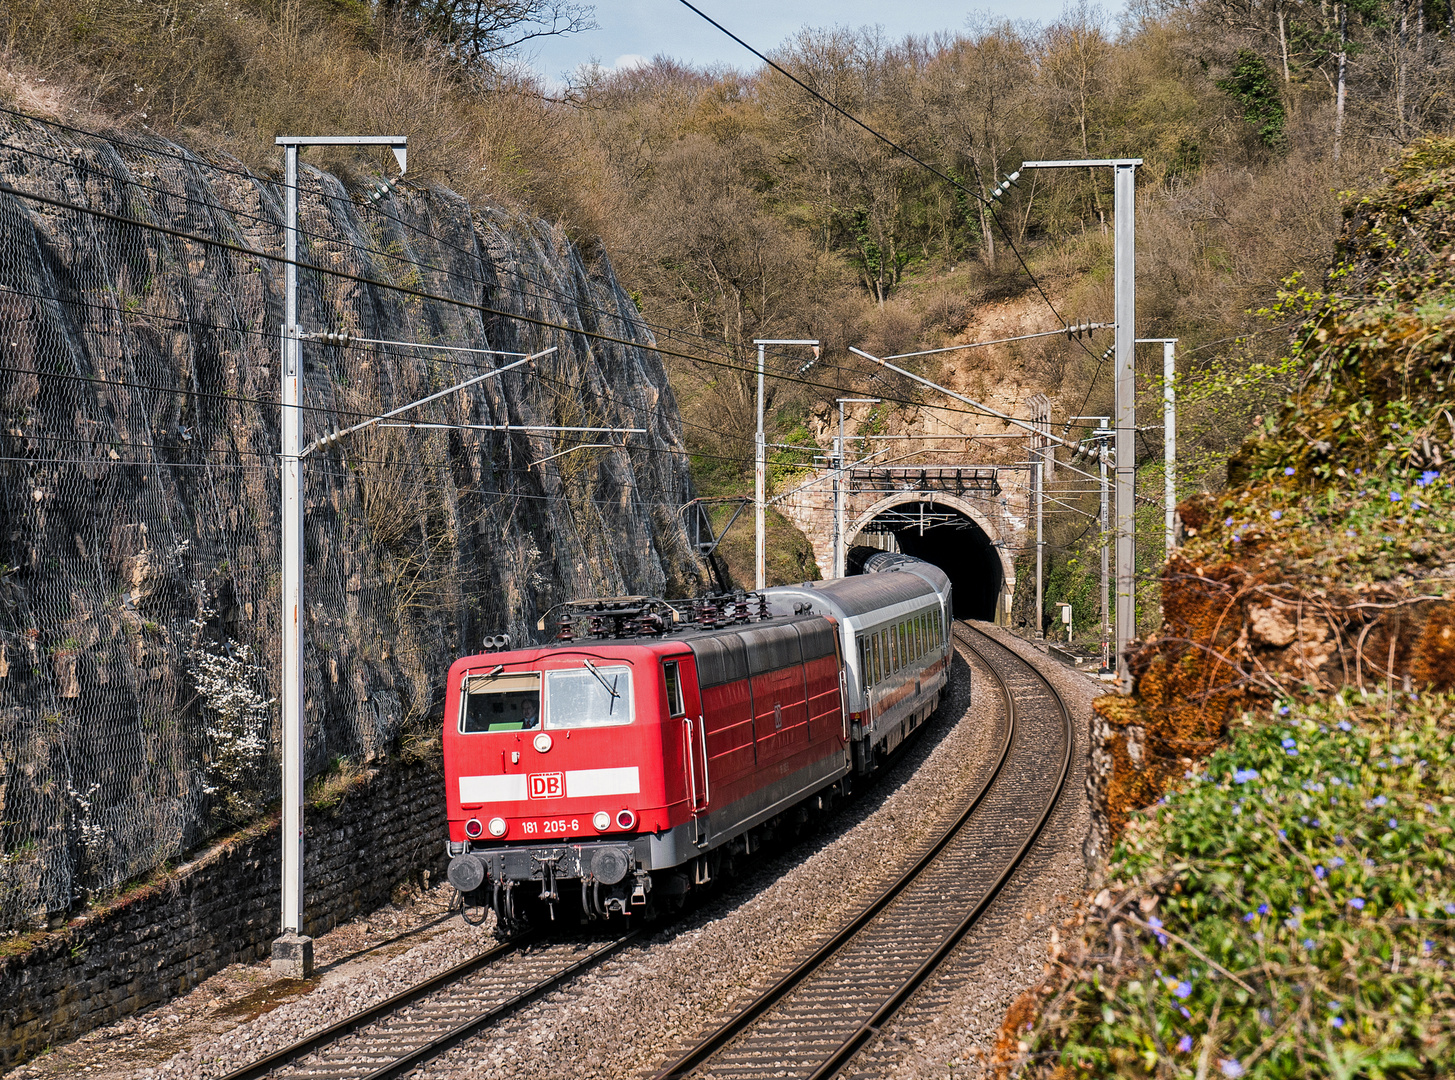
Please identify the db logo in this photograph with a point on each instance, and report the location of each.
(545, 785)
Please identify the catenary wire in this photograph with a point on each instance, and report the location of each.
(422, 295)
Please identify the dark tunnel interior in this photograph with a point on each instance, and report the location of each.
(958, 546)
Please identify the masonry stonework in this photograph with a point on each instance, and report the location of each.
(222, 908)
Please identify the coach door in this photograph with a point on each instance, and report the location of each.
(684, 704)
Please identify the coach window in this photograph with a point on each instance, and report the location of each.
(916, 641)
(863, 662)
(675, 707)
(904, 644)
(874, 642)
(924, 638)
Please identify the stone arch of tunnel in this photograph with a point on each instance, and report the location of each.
(955, 535)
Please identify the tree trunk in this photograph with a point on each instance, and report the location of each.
(1342, 12)
(1283, 42)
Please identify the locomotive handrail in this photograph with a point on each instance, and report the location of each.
(706, 779)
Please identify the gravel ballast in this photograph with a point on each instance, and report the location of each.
(627, 1016)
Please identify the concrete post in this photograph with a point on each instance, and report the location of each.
(760, 485)
(293, 950)
(1124, 208)
(296, 955)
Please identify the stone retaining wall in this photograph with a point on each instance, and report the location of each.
(161, 940)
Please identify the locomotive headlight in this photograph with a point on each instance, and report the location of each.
(497, 827)
(625, 819)
(541, 742)
(602, 820)
(473, 828)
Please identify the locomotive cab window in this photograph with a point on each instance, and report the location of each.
(675, 706)
(500, 703)
(592, 695)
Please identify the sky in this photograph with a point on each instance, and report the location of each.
(633, 31)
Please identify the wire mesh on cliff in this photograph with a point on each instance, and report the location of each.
(139, 572)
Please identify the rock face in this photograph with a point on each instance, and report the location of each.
(139, 565)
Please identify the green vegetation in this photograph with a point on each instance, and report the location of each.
(1349, 483)
(1286, 908)
(1289, 912)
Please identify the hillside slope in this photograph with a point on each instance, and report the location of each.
(1283, 907)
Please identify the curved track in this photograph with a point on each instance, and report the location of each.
(816, 1019)
(392, 1037)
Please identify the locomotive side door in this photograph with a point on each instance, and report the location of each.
(684, 706)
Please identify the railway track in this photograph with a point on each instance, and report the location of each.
(823, 1013)
(392, 1037)
(816, 1020)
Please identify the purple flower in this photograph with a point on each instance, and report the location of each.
(1277, 515)
(1288, 742)
(1320, 873)
(1395, 496)
(1288, 471)
(1231, 1067)
(1242, 776)
(1337, 1021)
(1308, 943)
(1429, 945)
(1339, 842)
(1282, 834)
(1344, 725)
(1378, 800)
(1228, 523)
(1428, 477)
(1283, 710)
(1450, 909)
(1357, 903)
(1393, 823)
(1182, 990)
(1185, 1014)
(1336, 862)
(1249, 917)
(1184, 1044)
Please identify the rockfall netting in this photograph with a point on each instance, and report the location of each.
(139, 552)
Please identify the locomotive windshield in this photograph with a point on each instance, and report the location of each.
(500, 703)
(589, 696)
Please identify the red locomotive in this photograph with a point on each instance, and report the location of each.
(620, 763)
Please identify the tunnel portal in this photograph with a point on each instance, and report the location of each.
(947, 536)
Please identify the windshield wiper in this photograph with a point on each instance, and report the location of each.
(610, 686)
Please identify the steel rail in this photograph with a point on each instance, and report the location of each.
(872, 1026)
(349, 1024)
(459, 1034)
(714, 1042)
(448, 1039)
